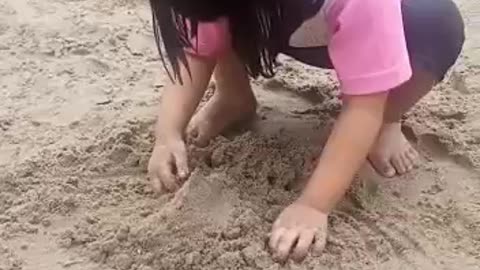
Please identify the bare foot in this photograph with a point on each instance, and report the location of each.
(221, 112)
(392, 153)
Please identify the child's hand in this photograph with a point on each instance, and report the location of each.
(298, 228)
(168, 166)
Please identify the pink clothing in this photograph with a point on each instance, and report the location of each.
(365, 39)
(213, 38)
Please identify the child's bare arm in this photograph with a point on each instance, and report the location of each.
(168, 163)
(304, 223)
(179, 102)
(346, 150)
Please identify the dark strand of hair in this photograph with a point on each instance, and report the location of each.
(255, 27)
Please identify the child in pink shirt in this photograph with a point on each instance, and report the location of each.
(387, 55)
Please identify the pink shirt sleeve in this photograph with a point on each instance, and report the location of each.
(212, 40)
(367, 45)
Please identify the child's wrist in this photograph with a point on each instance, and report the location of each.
(164, 137)
(315, 200)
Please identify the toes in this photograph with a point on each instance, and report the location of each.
(406, 162)
(410, 161)
(398, 162)
(197, 136)
(388, 170)
(412, 155)
(401, 163)
(384, 167)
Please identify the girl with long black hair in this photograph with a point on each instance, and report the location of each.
(387, 55)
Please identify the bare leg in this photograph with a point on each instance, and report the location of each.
(232, 102)
(392, 153)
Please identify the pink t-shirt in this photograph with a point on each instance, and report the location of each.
(365, 39)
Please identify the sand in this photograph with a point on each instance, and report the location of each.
(79, 84)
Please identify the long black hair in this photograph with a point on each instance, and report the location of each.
(254, 24)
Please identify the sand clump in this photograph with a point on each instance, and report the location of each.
(219, 218)
(80, 82)
(8, 260)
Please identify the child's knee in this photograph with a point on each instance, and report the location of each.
(435, 34)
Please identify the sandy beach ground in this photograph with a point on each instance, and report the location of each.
(79, 84)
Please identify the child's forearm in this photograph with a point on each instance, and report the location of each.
(346, 150)
(179, 102)
(176, 109)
